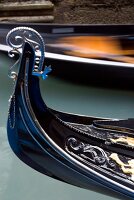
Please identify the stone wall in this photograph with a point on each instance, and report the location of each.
(76, 11)
(94, 11)
(26, 11)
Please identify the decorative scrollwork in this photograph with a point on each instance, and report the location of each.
(16, 39)
(88, 152)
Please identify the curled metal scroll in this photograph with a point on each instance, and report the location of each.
(88, 152)
(16, 39)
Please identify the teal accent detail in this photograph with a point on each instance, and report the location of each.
(47, 70)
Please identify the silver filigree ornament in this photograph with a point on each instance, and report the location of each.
(88, 152)
(16, 39)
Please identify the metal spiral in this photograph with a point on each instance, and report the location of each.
(88, 152)
(16, 39)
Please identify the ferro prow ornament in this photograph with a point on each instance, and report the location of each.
(88, 152)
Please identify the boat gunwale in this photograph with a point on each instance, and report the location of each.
(64, 154)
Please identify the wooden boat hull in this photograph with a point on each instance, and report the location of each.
(45, 162)
(80, 150)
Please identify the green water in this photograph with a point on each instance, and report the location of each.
(20, 182)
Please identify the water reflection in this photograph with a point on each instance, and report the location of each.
(87, 100)
(5, 161)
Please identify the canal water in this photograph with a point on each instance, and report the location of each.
(20, 182)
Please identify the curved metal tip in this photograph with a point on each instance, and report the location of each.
(17, 37)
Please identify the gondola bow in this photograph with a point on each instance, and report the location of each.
(88, 152)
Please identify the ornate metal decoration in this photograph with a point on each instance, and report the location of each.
(88, 152)
(123, 140)
(16, 39)
(127, 168)
(94, 154)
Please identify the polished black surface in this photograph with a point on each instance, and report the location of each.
(41, 138)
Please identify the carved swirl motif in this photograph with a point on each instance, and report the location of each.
(88, 152)
(16, 39)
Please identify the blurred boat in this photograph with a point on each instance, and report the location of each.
(89, 152)
(101, 54)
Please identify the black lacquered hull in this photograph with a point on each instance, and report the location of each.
(45, 162)
(78, 150)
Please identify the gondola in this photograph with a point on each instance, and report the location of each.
(101, 54)
(85, 151)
